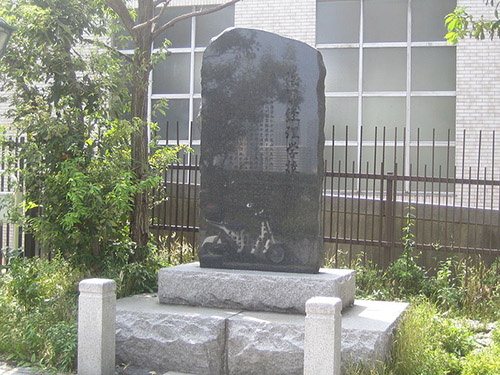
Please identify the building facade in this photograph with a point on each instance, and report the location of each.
(388, 65)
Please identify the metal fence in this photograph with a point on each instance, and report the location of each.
(447, 189)
(11, 234)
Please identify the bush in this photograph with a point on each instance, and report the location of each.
(133, 277)
(38, 307)
(430, 344)
(484, 362)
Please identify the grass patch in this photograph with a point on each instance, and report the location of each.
(39, 302)
(38, 310)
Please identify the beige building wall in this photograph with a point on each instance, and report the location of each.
(290, 18)
(478, 107)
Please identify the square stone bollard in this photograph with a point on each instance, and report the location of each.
(96, 327)
(323, 330)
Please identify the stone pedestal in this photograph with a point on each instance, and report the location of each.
(96, 327)
(238, 322)
(203, 341)
(322, 339)
(189, 284)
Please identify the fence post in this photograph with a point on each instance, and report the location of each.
(96, 327)
(322, 339)
(389, 219)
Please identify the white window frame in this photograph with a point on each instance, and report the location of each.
(407, 94)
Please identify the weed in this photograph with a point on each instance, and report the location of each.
(38, 313)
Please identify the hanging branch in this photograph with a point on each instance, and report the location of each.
(121, 9)
(190, 15)
(164, 5)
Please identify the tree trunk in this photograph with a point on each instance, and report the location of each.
(144, 30)
(139, 218)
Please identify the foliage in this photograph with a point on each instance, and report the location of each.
(133, 277)
(38, 313)
(436, 335)
(461, 286)
(405, 274)
(484, 362)
(426, 344)
(144, 25)
(70, 102)
(461, 24)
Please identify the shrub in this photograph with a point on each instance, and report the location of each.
(430, 344)
(484, 362)
(38, 305)
(133, 277)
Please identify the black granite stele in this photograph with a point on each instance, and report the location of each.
(262, 139)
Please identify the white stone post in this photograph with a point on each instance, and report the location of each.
(96, 327)
(322, 336)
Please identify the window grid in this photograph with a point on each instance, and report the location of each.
(408, 94)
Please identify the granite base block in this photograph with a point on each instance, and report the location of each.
(204, 341)
(170, 338)
(189, 284)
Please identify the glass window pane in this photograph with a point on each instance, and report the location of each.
(433, 68)
(382, 159)
(177, 111)
(423, 156)
(385, 20)
(341, 69)
(197, 72)
(384, 69)
(338, 21)
(384, 112)
(341, 112)
(429, 113)
(180, 34)
(213, 24)
(340, 159)
(428, 19)
(172, 75)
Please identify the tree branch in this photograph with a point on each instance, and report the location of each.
(121, 9)
(155, 18)
(159, 2)
(191, 15)
(109, 48)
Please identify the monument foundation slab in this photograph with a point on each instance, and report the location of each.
(189, 284)
(203, 341)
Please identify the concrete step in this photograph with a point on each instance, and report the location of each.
(199, 340)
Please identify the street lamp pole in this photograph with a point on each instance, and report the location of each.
(5, 33)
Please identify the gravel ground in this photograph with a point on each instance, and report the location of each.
(5, 369)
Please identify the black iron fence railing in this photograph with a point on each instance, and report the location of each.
(447, 189)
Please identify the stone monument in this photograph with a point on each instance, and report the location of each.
(262, 152)
(262, 118)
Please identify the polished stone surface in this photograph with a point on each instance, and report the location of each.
(262, 153)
